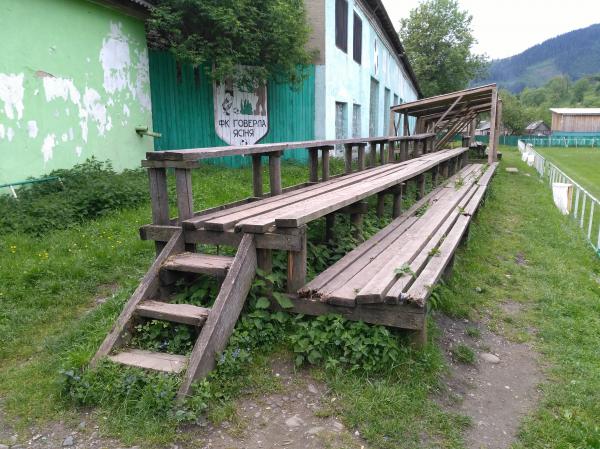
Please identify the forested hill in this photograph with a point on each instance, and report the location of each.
(574, 54)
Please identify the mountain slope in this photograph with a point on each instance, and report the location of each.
(576, 54)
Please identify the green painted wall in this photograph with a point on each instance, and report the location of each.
(182, 110)
(74, 83)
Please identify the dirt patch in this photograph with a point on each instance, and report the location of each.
(520, 259)
(498, 390)
(297, 417)
(292, 419)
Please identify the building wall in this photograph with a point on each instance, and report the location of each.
(342, 80)
(183, 110)
(562, 123)
(73, 83)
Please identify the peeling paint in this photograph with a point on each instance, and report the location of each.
(12, 93)
(78, 151)
(56, 87)
(96, 111)
(10, 134)
(126, 110)
(32, 129)
(48, 147)
(115, 59)
(2, 132)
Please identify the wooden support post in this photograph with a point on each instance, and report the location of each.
(257, 183)
(296, 276)
(493, 118)
(391, 151)
(472, 131)
(361, 156)
(498, 125)
(445, 169)
(419, 147)
(329, 224)
(435, 177)
(420, 186)
(406, 131)
(382, 152)
(403, 150)
(419, 337)
(348, 157)
(185, 200)
(429, 145)
(264, 262)
(373, 154)
(313, 164)
(159, 198)
(325, 163)
(275, 172)
(397, 202)
(380, 204)
(357, 226)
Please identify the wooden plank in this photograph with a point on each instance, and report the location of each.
(275, 173)
(224, 313)
(379, 282)
(299, 214)
(209, 264)
(397, 203)
(226, 219)
(421, 288)
(398, 316)
(395, 293)
(360, 251)
(159, 198)
(498, 125)
(177, 313)
(156, 361)
(147, 288)
(192, 155)
(257, 182)
(487, 176)
(348, 158)
(278, 240)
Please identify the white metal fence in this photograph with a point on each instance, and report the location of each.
(585, 209)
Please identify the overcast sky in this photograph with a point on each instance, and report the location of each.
(507, 27)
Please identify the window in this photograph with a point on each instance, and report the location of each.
(341, 25)
(356, 120)
(341, 124)
(374, 108)
(395, 99)
(357, 39)
(386, 111)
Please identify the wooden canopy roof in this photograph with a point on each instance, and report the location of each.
(447, 114)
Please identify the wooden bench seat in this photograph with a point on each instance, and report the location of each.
(399, 265)
(296, 208)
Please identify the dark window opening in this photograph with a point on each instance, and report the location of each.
(341, 25)
(357, 40)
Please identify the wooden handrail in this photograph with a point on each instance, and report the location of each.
(207, 153)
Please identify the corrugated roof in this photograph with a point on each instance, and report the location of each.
(534, 125)
(576, 111)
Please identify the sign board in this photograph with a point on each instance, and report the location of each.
(240, 116)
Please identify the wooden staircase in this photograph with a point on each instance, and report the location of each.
(216, 324)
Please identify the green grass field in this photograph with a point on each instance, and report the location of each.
(50, 318)
(581, 164)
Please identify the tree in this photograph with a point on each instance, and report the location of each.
(438, 40)
(269, 37)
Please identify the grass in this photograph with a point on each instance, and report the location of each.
(49, 287)
(581, 164)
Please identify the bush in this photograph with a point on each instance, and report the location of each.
(88, 190)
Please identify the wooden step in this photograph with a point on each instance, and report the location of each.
(199, 263)
(177, 313)
(157, 361)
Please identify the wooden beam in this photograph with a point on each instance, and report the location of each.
(275, 173)
(313, 164)
(492, 143)
(441, 119)
(257, 182)
(296, 272)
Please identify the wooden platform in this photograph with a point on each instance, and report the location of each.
(401, 263)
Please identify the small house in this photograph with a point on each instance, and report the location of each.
(537, 128)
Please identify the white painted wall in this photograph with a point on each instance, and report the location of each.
(342, 79)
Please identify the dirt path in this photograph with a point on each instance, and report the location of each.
(498, 390)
